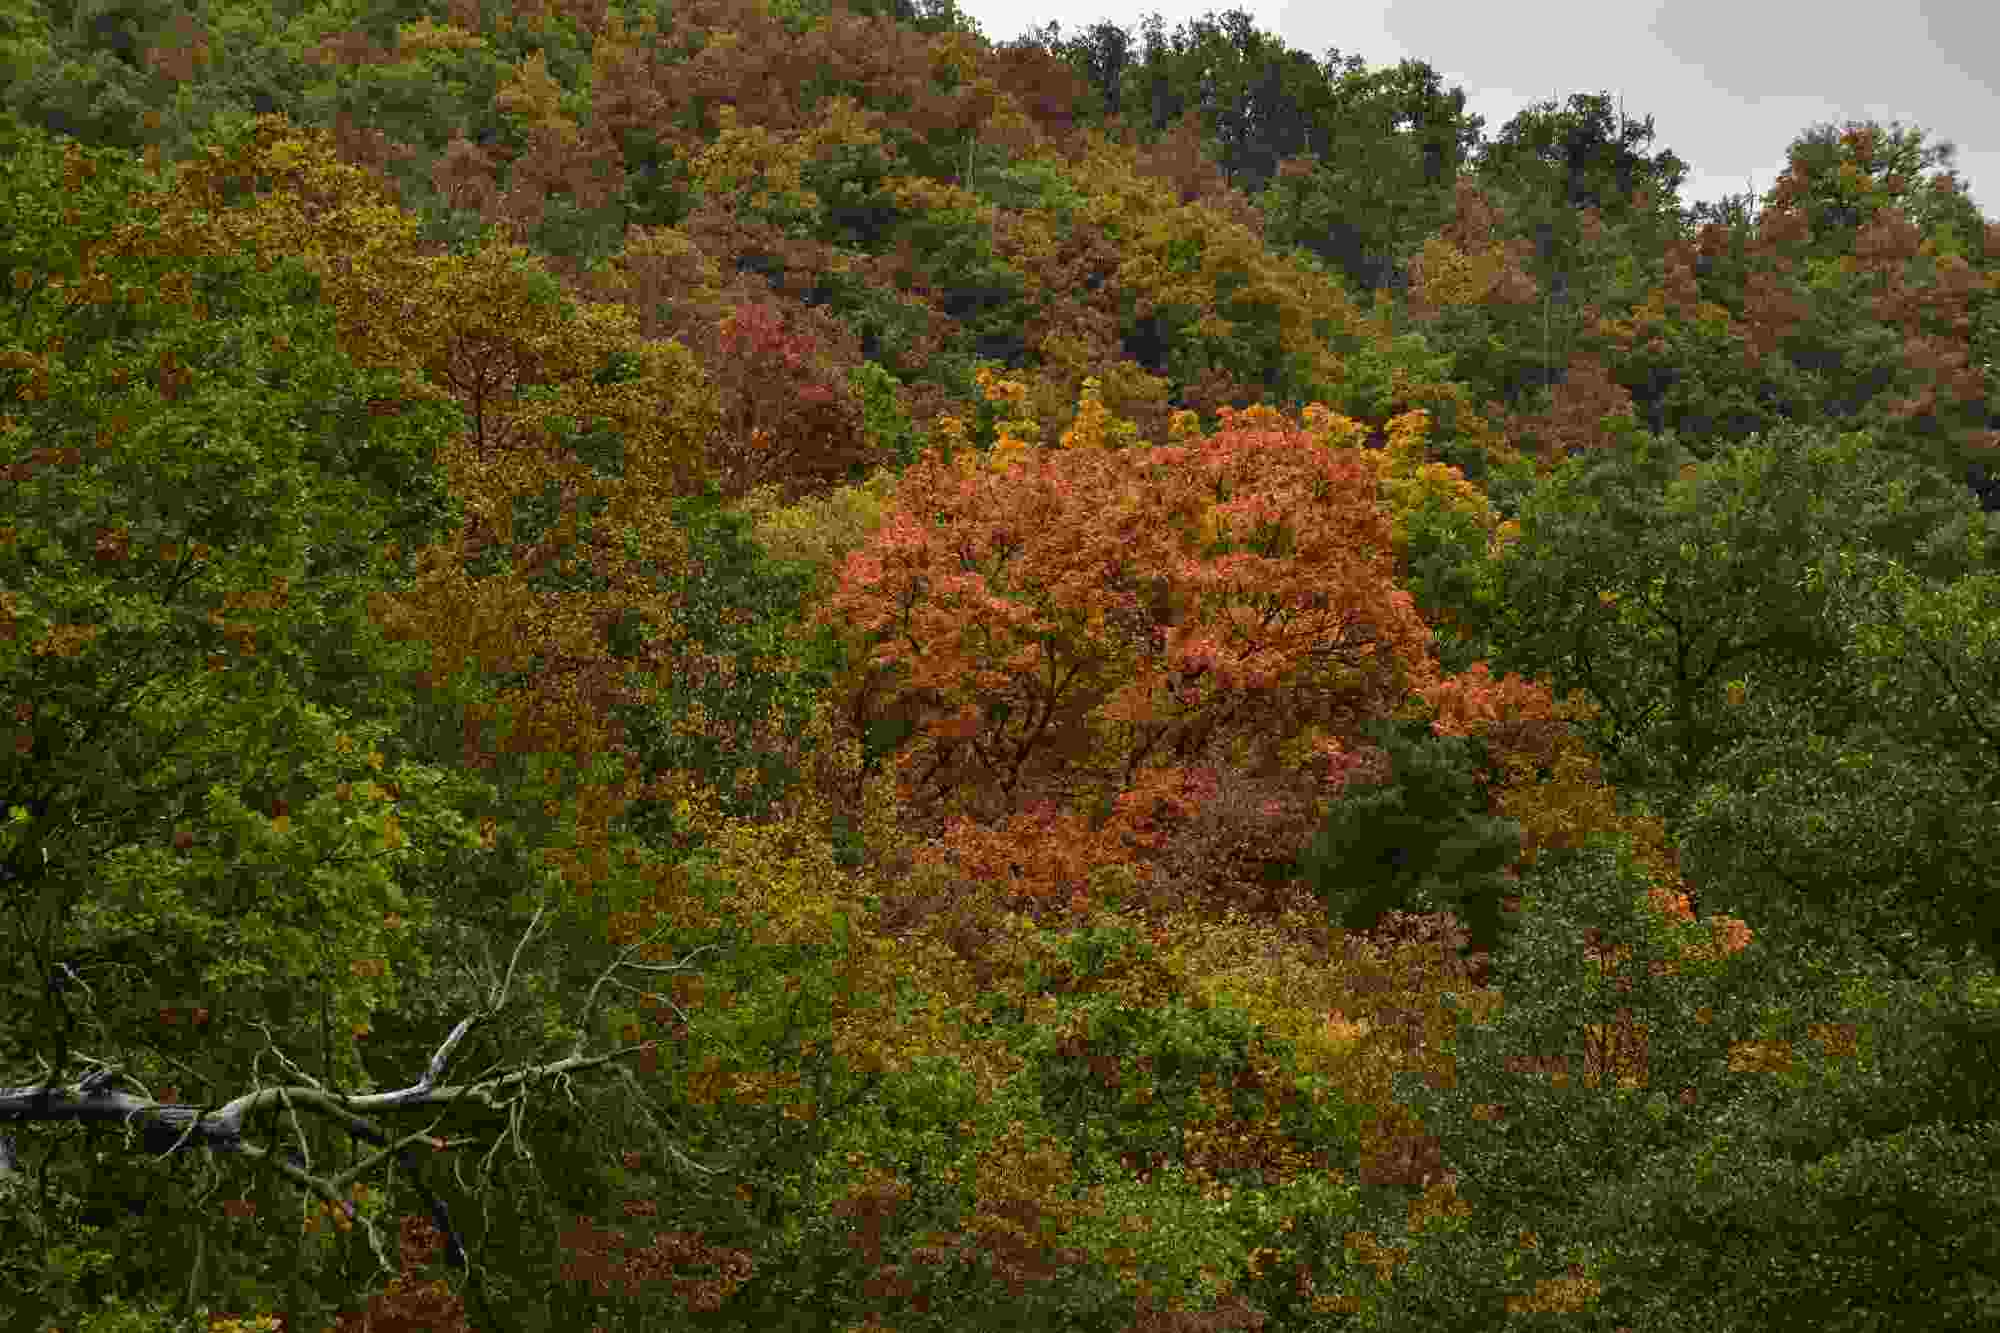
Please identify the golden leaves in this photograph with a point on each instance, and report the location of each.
(768, 166)
(921, 194)
(1341, 1034)
(1838, 1039)
(1444, 275)
(531, 92)
(1616, 1049)
(66, 641)
(1759, 1057)
(414, 39)
(1571, 1294)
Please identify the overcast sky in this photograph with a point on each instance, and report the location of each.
(1728, 83)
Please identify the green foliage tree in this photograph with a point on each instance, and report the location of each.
(1840, 176)
(1622, 1127)
(1584, 154)
(751, 677)
(1875, 838)
(208, 852)
(1666, 590)
(1420, 840)
(1395, 141)
(214, 857)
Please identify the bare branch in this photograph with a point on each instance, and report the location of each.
(167, 1128)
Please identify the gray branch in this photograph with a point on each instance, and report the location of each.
(163, 1129)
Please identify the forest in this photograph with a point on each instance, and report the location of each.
(763, 665)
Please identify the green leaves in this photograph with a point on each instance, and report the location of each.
(1866, 834)
(890, 434)
(213, 808)
(1651, 583)
(744, 678)
(1423, 839)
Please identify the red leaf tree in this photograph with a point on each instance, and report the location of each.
(1073, 638)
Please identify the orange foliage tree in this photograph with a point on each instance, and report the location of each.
(1071, 640)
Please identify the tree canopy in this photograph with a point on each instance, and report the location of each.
(755, 665)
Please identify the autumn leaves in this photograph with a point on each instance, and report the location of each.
(1079, 635)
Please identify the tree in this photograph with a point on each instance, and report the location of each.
(230, 835)
(1394, 143)
(1192, 602)
(203, 832)
(1556, 166)
(1840, 176)
(1422, 838)
(556, 588)
(1060, 642)
(1879, 841)
(792, 424)
(1849, 216)
(1101, 52)
(1621, 1127)
(1666, 591)
(1588, 149)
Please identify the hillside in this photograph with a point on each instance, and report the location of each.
(1124, 680)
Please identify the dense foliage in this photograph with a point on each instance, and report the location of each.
(761, 664)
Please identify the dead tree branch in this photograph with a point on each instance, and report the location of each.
(165, 1128)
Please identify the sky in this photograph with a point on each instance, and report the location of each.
(1728, 83)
